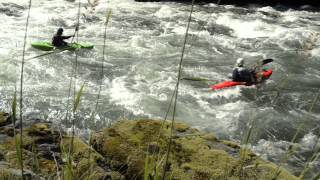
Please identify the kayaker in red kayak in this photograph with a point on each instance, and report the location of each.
(58, 39)
(245, 76)
(242, 74)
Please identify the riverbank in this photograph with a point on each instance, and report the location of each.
(128, 149)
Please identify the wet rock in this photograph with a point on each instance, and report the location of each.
(7, 131)
(39, 129)
(5, 119)
(49, 147)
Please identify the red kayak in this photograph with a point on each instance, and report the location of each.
(264, 75)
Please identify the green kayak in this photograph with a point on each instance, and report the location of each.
(47, 46)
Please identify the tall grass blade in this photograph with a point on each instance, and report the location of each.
(35, 161)
(156, 173)
(89, 156)
(177, 92)
(146, 168)
(77, 99)
(19, 150)
(20, 142)
(102, 63)
(14, 111)
(246, 141)
(67, 171)
(108, 17)
(16, 138)
(70, 154)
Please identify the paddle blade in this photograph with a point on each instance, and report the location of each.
(266, 61)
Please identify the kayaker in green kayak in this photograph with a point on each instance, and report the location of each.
(58, 39)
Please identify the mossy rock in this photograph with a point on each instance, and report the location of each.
(230, 144)
(39, 129)
(5, 118)
(193, 154)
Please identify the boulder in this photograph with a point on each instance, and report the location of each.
(131, 145)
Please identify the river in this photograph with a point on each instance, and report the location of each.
(143, 48)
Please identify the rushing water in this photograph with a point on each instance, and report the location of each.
(143, 47)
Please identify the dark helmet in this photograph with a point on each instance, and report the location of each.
(60, 31)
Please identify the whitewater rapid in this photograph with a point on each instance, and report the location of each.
(143, 47)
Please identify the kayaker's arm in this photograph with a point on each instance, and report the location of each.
(66, 37)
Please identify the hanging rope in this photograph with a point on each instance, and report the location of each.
(21, 86)
(177, 92)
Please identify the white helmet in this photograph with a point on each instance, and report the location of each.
(240, 62)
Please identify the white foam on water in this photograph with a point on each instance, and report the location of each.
(269, 149)
(165, 12)
(248, 28)
(121, 95)
(309, 141)
(267, 9)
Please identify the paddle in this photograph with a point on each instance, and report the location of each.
(196, 79)
(74, 34)
(48, 53)
(263, 62)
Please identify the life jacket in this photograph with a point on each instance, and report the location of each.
(241, 74)
(57, 40)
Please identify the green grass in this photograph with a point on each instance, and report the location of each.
(17, 139)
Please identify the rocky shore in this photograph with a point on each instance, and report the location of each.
(127, 150)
